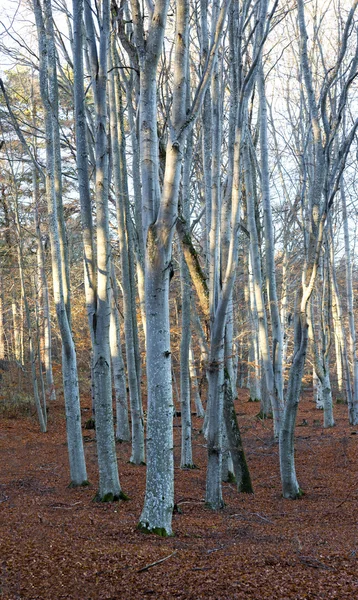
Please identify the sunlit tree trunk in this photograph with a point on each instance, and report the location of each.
(83, 174)
(40, 406)
(109, 486)
(53, 99)
(43, 295)
(185, 395)
(186, 460)
(321, 354)
(317, 390)
(343, 373)
(321, 189)
(353, 408)
(16, 328)
(268, 372)
(254, 364)
(283, 309)
(118, 370)
(78, 472)
(130, 318)
(277, 342)
(159, 217)
(194, 385)
(2, 329)
(216, 357)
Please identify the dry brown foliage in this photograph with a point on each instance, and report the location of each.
(56, 543)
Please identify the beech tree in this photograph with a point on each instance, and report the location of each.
(159, 217)
(228, 125)
(60, 268)
(109, 486)
(321, 187)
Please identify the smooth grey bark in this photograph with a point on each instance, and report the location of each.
(118, 370)
(194, 385)
(254, 371)
(57, 161)
(43, 297)
(214, 410)
(159, 496)
(186, 460)
(240, 468)
(2, 329)
(38, 349)
(44, 327)
(253, 354)
(317, 391)
(267, 364)
(206, 120)
(204, 356)
(197, 275)
(109, 485)
(322, 187)
(200, 335)
(321, 355)
(83, 175)
(353, 407)
(216, 357)
(214, 199)
(313, 239)
(139, 243)
(130, 318)
(78, 471)
(343, 371)
(16, 329)
(40, 406)
(159, 216)
(283, 308)
(338, 345)
(277, 342)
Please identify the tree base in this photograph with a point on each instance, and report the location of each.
(263, 415)
(230, 478)
(294, 495)
(160, 531)
(110, 497)
(73, 485)
(215, 506)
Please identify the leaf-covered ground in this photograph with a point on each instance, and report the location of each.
(56, 543)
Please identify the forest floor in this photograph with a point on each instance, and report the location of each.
(56, 543)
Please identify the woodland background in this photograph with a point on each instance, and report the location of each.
(177, 244)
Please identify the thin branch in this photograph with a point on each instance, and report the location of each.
(157, 562)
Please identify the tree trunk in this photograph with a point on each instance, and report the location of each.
(109, 486)
(200, 412)
(159, 497)
(274, 398)
(353, 407)
(241, 471)
(69, 364)
(185, 396)
(119, 376)
(130, 317)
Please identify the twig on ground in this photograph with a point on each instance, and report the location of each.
(244, 516)
(310, 561)
(157, 562)
(261, 517)
(68, 507)
(215, 550)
